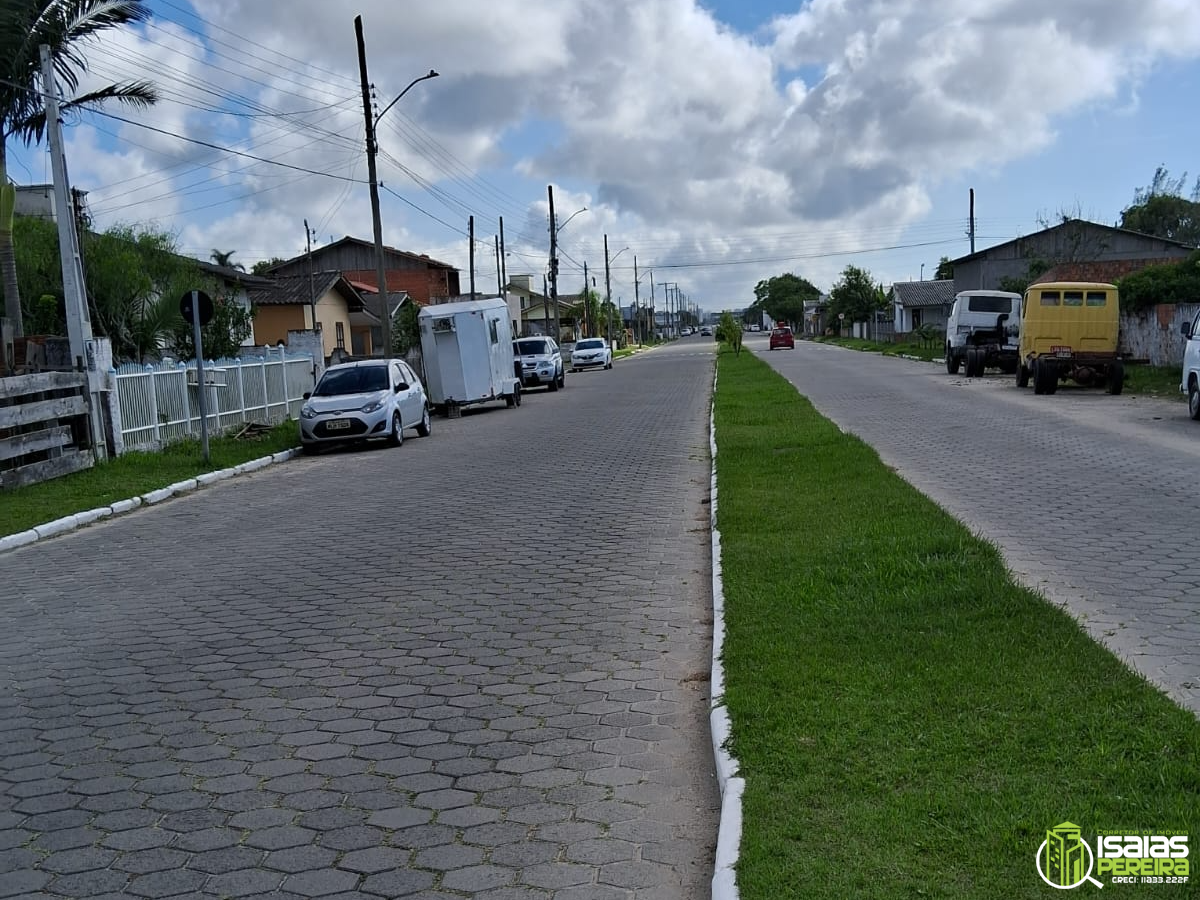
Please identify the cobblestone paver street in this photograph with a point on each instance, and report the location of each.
(1091, 498)
(472, 666)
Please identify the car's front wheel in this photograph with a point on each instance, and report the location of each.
(396, 437)
(1194, 400)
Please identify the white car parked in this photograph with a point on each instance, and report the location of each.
(591, 352)
(1189, 383)
(540, 362)
(358, 401)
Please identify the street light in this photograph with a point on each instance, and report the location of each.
(608, 286)
(371, 121)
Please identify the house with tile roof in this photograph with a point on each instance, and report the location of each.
(327, 302)
(917, 303)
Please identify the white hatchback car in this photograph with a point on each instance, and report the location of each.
(591, 352)
(358, 401)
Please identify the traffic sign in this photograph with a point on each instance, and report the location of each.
(841, 315)
(196, 303)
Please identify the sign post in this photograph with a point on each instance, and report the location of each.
(197, 308)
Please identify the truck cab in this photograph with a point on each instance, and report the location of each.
(981, 332)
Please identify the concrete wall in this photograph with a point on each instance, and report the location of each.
(1154, 334)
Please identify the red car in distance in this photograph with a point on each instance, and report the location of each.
(781, 336)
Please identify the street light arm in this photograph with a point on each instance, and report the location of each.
(432, 74)
(569, 218)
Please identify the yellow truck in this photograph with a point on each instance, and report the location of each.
(1069, 330)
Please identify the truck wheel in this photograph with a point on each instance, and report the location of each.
(973, 363)
(952, 361)
(1194, 400)
(1022, 375)
(1116, 378)
(1039, 377)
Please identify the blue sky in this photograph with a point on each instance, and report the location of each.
(721, 142)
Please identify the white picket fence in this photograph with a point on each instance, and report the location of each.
(161, 403)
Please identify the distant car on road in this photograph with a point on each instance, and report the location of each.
(782, 337)
(591, 352)
(539, 362)
(360, 401)
(756, 328)
(705, 331)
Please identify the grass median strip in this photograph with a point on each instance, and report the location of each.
(909, 722)
(131, 475)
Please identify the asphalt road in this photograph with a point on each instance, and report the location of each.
(472, 666)
(1092, 499)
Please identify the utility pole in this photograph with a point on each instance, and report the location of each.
(385, 319)
(79, 320)
(653, 314)
(637, 326)
(607, 292)
(312, 290)
(971, 232)
(588, 324)
(554, 263)
(499, 285)
(503, 262)
(471, 238)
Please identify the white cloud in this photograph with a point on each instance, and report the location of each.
(825, 131)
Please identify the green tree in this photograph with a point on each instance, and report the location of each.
(221, 338)
(945, 270)
(783, 298)
(225, 258)
(1161, 209)
(133, 278)
(264, 266)
(406, 331)
(729, 331)
(64, 25)
(856, 295)
(1167, 283)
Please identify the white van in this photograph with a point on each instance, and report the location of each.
(1189, 382)
(982, 332)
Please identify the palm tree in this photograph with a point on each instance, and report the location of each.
(63, 25)
(225, 258)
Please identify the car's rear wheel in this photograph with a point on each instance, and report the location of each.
(396, 437)
(426, 426)
(1194, 400)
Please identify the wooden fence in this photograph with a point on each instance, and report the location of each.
(44, 431)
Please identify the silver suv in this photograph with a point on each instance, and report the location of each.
(539, 362)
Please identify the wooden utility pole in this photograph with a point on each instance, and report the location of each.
(971, 232)
(588, 324)
(471, 238)
(385, 319)
(312, 290)
(499, 280)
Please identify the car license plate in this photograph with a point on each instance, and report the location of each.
(337, 424)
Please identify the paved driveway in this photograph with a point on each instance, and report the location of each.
(474, 666)
(1091, 498)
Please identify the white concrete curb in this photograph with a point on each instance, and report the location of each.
(729, 832)
(78, 520)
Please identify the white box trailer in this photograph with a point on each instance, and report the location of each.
(468, 354)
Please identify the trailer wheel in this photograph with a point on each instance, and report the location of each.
(1194, 400)
(1116, 378)
(952, 361)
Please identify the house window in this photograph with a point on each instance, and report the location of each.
(916, 318)
(341, 335)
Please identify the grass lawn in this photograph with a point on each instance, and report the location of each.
(131, 475)
(908, 721)
(1155, 381)
(928, 351)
